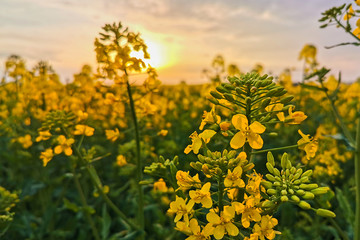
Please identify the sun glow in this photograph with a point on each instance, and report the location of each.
(158, 58)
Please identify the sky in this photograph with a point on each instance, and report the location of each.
(183, 36)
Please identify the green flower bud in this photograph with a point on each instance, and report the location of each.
(239, 91)
(271, 93)
(284, 159)
(284, 198)
(216, 95)
(248, 167)
(270, 167)
(268, 204)
(287, 99)
(300, 192)
(295, 198)
(270, 159)
(308, 173)
(325, 213)
(283, 192)
(278, 178)
(291, 191)
(270, 177)
(266, 184)
(265, 103)
(304, 205)
(231, 154)
(196, 166)
(271, 191)
(308, 196)
(320, 190)
(304, 179)
(229, 86)
(296, 182)
(277, 172)
(277, 184)
(293, 170)
(214, 101)
(229, 97)
(308, 186)
(221, 89)
(287, 172)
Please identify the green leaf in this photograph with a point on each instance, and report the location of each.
(345, 207)
(105, 223)
(71, 206)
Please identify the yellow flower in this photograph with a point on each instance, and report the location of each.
(356, 31)
(219, 225)
(185, 181)
(297, 117)
(46, 156)
(357, 2)
(209, 118)
(112, 135)
(82, 115)
(181, 209)
(43, 135)
(202, 196)
(247, 210)
(307, 144)
(265, 227)
(83, 130)
(250, 133)
(253, 185)
(197, 140)
(276, 108)
(196, 233)
(25, 141)
(160, 186)
(64, 145)
(349, 14)
(27, 121)
(233, 179)
(163, 133)
(183, 227)
(121, 160)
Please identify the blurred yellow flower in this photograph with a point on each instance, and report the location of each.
(64, 145)
(83, 130)
(25, 141)
(43, 135)
(121, 160)
(160, 186)
(46, 156)
(349, 14)
(112, 135)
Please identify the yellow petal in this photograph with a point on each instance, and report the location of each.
(240, 121)
(232, 229)
(238, 140)
(255, 141)
(207, 134)
(219, 232)
(257, 127)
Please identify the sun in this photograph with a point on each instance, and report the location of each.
(157, 54)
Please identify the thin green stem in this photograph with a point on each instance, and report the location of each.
(357, 182)
(276, 149)
(84, 204)
(139, 170)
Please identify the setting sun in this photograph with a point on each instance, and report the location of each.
(158, 58)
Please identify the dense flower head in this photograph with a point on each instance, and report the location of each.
(221, 224)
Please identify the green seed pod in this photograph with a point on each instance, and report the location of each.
(271, 191)
(295, 198)
(325, 213)
(229, 97)
(270, 177)
(284, 198)
(284, 159)
(287, 99)
(308, 196)
(283, 192)
(216, 95)
(309, 186)
(320, 190)
(265, 102)
(308, 173)
(304, 205)
(266, 184)
(300, 192)
(221, 89)
(270, 167)
(268, 204)
(270, 159)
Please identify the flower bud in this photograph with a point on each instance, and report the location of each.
(308, 186)
(216, 95)
(325, 213)
(221, 89)
(320, 190)
(270, 159)
(270, 167)
(284, 198)
(304, 205)
(300, 192)
(295, 198)
(268, 204)
(308, 173)
(308, 196)
(271, 191)
(266, 184)
(270, 177)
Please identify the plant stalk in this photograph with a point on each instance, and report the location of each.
(357, 182)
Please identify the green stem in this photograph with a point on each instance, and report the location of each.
(276, 149)
(139, 172)
(357, 182)
(84, 204)
(221, 194)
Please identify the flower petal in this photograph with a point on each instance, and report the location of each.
(257, 127)
(240, 121)
(238, 140)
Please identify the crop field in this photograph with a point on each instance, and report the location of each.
(247, 155)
